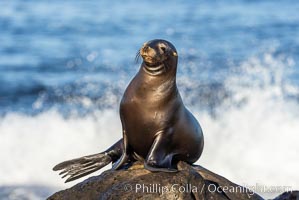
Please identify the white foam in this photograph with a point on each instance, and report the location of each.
(256, 144)
(31, 146)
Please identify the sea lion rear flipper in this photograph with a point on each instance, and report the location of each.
(158, 158)
(79, 167)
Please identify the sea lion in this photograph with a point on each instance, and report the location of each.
(157, 128)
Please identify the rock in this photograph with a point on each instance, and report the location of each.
(191, 182)
(293, 195)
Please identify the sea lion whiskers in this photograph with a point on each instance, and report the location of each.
(137, 57)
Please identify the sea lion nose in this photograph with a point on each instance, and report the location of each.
(147, 50)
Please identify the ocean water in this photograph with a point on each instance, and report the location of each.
(65, 65)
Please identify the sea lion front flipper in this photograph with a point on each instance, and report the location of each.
(125, 154)
(158, 158)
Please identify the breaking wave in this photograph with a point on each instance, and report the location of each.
(251, 129)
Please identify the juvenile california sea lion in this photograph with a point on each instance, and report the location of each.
(157, 127)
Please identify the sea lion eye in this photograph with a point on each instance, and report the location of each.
(163, 49)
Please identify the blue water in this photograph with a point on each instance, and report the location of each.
(76, 57)
(56, 50)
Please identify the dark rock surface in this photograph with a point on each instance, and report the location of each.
(191, 182)
(294, 195)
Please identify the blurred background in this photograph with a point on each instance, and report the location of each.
(64, 66)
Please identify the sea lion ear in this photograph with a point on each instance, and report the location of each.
(174, 54)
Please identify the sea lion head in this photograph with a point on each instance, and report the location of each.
(159, 57)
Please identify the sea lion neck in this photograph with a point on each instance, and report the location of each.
(165, 75)
(166, 69)
(164, 83)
